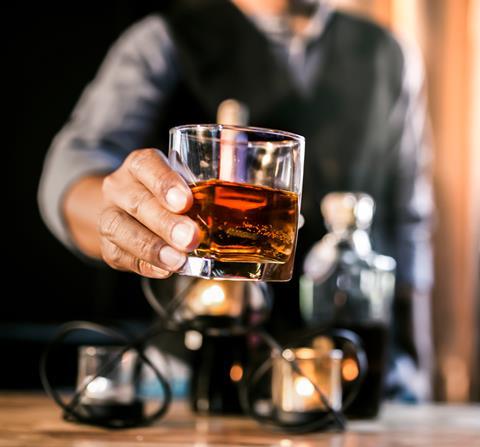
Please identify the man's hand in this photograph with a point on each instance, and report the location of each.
(139, 221)
(141, 228)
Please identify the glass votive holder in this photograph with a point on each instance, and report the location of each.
(222, 304)
(296, 397)
(106, 381)
(214, 299)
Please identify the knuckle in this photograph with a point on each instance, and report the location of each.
(137, 158)
(136, 200)
(149, 247)
(107, 185)
(110, 221)
(164, 182)
(165, 221)
(112, 255)
(116, 255)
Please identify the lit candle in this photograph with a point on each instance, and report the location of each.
(115, 385)
(215, 299)
(297, 393)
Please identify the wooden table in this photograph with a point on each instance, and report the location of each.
(33, 420)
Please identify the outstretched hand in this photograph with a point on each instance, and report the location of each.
(141, 227)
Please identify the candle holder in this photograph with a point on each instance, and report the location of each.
(214, 304)
(106, 390)
(306, 382)
(217, 317)
(294, 394)
(212, 307)
(111, 394)
(305, 378)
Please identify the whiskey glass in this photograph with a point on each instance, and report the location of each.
(247, 186)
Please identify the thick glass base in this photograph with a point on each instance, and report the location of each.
(239, 271)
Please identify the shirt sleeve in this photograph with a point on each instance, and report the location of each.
(114, 115)
(413, 203)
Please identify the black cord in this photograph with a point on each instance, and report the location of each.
(165, 313)
(331, 415)
(70, 408)
(330, 419)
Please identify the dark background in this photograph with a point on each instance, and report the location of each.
(54, 54)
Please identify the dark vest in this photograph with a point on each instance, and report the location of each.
(343, 114)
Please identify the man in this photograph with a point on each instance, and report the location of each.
(342, 82)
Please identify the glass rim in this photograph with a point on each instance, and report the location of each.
(290, 137)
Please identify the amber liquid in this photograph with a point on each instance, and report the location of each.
(244, 223)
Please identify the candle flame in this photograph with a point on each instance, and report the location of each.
(304, 387)
(213, 296)
(98, 385)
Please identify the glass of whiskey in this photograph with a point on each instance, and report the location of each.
(247, 186)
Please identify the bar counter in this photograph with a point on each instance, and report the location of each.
(30, 420)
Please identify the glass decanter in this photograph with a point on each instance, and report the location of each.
(346, 284)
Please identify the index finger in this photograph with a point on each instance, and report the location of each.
(150, 167)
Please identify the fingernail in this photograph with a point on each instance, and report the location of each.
(182, 234)
(161, 272)
(176, 198)
(171, 257)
